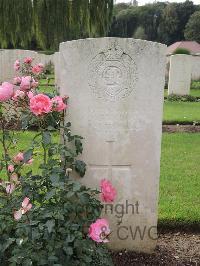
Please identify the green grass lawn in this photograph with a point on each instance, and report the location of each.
(49, 81)
(195, 93)
(176, 112)
(44, 88)
(179, 183)
(180, 179)
(23, 141)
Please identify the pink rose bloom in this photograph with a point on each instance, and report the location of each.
(11, 168)
(99, 230)
(18, 94)
(30, 161)
(28, 60)
(40, 65)
(18, 158)
(40, 104)
(17, 65)
(18, 215)
(58, 104)
(34, 84)
(108, 192)
(17, 80)
(6, 91)
(38, 69)
(30, 94)
(10, 188)
(26, 206)
(25, 83)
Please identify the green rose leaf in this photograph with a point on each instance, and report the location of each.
(80, 167)
(50, 225)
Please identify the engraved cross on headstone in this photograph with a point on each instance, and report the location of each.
(110, 166)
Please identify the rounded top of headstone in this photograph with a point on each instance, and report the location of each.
(112, 39)
(112, 66)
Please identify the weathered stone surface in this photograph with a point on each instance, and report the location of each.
(115, 89)
(57, 69)
(195, 67)
(180, 74)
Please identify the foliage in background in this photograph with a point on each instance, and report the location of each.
(100, 17)
(181, 51)
(51, 22)
(162, 22)
(43, 24)
(124, 23)
(182, 98)
(15, 23)
(192, 30)
(195, 85)
(173, 20)
(140, 33)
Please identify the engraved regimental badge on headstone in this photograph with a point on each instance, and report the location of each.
(112, 74)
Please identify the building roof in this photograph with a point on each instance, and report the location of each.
(192, 46)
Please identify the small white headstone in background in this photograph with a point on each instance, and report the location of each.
(115, 88)
(57, 69)
(180, 74)
(195, 67)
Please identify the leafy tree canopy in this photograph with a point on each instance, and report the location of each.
(192, 30)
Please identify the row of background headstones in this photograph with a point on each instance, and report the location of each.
(180, 70)
(8, 57)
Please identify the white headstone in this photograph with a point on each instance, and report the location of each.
(196, 67)
(180, 74)
(115, 88)
(57, 69)
(1, 65)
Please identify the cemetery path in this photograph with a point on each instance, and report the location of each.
(174, 249)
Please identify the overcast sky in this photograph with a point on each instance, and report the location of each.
(142, 2)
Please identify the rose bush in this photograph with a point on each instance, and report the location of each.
(46, 218)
